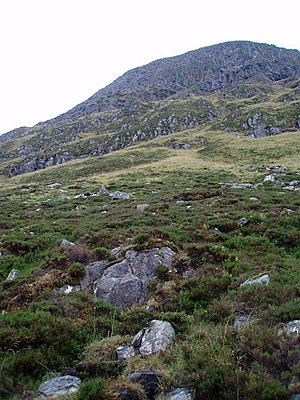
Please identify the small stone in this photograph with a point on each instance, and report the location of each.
(66, 289)
(279, 185)
(241, 320)
(54, 185)
(237, 185)
(270, 178)
(124, 352)
(14, 274)
(142, 207)
(253, 199)
(242, 222)
(119, 195)
(102, 191)
(180, 394)
(60, 386)
(292, 327)
(65, 244)
(263, 280)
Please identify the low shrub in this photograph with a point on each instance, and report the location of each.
(93, 389)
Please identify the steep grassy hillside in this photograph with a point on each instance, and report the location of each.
(191, 185)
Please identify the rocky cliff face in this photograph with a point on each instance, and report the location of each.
(198, 88)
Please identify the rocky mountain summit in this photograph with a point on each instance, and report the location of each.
(237, 86)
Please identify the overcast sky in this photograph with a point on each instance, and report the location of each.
(57, 53)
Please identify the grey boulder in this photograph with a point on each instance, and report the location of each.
(65, 244)
(262, 280)
(63, 385)
(92, 272)
(155, 338)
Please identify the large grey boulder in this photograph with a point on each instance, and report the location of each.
(14, 274)
(262, 280)
(127, 282)
(155, 338)
(61, 386)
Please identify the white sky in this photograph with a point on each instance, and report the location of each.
(57, 53)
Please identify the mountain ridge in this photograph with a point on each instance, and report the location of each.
(117, 115)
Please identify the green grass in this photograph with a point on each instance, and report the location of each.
(42, 331)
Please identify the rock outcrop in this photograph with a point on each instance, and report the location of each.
(126, 282)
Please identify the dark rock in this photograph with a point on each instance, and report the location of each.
(295, 396)
(149, 380)
(61, 386)
(14, 274)
(130, 394)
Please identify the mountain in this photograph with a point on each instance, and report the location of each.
(152, 250)
(166, 96)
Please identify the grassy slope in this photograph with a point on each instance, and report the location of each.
(43, 332)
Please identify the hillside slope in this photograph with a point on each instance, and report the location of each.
(225, 204)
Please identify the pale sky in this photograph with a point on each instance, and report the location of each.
(57, 53)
